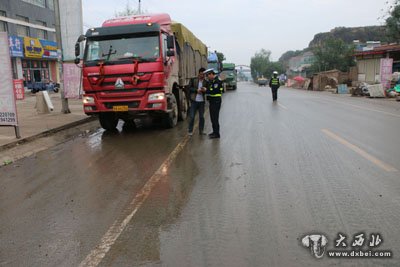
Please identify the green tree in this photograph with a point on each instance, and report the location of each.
(333, 54)
(393, 21)
(221, 56)
(261, 65)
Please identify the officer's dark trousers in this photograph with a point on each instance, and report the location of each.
(215, 106)
(274, 92)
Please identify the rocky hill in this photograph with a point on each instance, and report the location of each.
(369, 33)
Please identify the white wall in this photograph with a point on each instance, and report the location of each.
(71, 26)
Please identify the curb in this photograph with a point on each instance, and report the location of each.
(45, 133)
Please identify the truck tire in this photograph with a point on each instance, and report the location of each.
(171, 119)
(234, 87)
(108, 121)
(183, 107)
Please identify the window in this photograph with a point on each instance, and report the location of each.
(41, 3)
(50, 4)
(21, 29)
(3, 24)
(41, 34)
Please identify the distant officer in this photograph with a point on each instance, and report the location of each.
(214, 92)
(274, 84)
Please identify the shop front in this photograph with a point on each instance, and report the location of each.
(33, 60)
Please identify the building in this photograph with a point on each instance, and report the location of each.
(377, 65)
(298, 65)
(31, 31)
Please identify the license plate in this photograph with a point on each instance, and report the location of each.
(120, 108)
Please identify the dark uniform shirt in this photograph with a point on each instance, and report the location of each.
(215, 89)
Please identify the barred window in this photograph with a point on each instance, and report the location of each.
(50, 4)
(3, 24)
(41, 3)
(41, 34)
(21, 29)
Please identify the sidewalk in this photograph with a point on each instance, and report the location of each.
(31, 123)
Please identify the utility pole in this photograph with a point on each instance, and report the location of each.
(140, 7)
(64, 101)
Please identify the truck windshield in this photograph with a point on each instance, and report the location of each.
(122, 48)
(213, 65)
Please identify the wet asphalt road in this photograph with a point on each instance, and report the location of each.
(313, 163)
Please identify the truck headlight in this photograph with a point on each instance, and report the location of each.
(156, 96)
(88, 100)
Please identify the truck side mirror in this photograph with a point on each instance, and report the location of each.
(170, 42)
(77, 45)
(77, 49)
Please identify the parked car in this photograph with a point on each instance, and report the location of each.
(42, 86)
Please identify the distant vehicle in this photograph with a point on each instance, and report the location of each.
(213, 62)
(43, 86)
(262, 81)
(230, 75)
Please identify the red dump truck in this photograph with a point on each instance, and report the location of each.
(139, 66)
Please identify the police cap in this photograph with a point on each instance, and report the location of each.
(207, 71)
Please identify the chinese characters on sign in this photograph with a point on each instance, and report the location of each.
(16, 46)
(19, 89)
(359, 240)
(8, 110)
(360, 245)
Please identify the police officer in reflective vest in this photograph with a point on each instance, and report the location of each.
(214, 95)
(274, 84)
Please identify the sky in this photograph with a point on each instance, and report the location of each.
(240, 28)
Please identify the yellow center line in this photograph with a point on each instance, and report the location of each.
(361, 152)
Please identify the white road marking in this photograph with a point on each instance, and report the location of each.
(109, 238)
(361, 152)
(282, 106)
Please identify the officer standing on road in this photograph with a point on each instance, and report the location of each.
(274, 84)
(214, 95)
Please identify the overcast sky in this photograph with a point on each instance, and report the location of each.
(240, 28)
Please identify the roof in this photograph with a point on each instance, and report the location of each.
(184, 35)
(379, 50)
(161, 19)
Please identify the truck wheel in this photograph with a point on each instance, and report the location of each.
(171, 119)
(183, 107)
(108, 121)
(234, 87)
(129, 124)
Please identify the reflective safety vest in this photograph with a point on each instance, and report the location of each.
(215, 88)
(274, 81)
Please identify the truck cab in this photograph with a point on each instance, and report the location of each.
(132, 68)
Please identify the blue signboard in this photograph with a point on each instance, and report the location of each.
(16, 45)
(49, 49)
